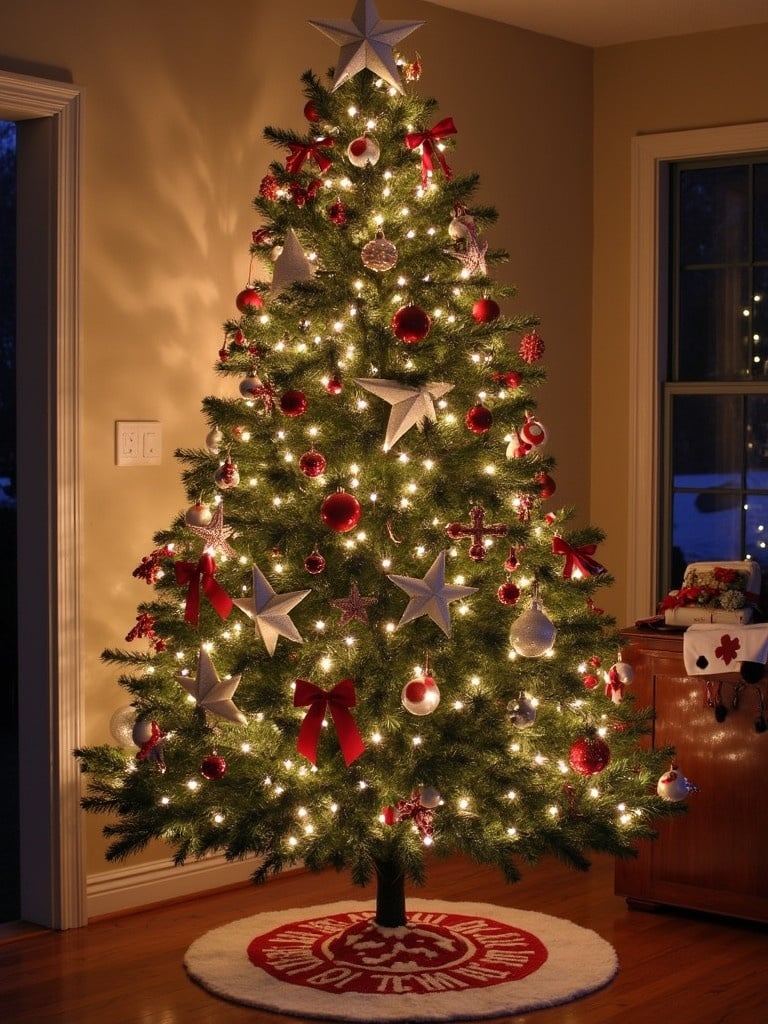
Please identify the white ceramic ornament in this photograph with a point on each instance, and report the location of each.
(213, 441)
(420, 695)
(673, 785)
(620, 671)
(533, 433)
(532, 633)
(363, 151)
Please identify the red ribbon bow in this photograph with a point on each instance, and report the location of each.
(194, 575)
(420, 815)
(577, 558)
(301, 152)
(340, 698)
(429, 151)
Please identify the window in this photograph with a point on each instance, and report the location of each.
(715, 390)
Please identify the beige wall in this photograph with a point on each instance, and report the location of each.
(176, 96)
(698, 81)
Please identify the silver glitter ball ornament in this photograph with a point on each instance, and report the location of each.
(532, 634)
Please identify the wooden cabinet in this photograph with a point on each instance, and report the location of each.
(715, 857)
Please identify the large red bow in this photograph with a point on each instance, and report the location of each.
(340, 698)
(429, 151)
(577, 558)
(189, 573)
(300, 152)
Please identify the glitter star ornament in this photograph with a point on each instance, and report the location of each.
(431, 595)
(366, 42)
(410, 405)
(216, 535)
(269, 611)
(353, 608)
(211, 692)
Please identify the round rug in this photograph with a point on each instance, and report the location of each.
(453, 961)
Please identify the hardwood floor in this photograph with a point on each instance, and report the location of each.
(675, 966)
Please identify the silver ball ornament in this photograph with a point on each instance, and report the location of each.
(121, 726)
(214, 441)
(198, 515)
(521, 712)
(429, 797)
(532, 633)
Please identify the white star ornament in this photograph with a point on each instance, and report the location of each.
(431, 595)
(210, 692)
(366, 42)
(291, 265)
(410, 405)
(269, 611)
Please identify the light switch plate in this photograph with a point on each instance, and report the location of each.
(138, 442)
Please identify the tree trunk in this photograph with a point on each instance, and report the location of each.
(390, 895)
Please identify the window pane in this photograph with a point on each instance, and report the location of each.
(760, 319)
(757, 530)
(707, 440)
(714, 212)
(706, 527)
(714, 335)
(761, 212)
(757, 443)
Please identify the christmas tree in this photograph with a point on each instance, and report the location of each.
(373, 634)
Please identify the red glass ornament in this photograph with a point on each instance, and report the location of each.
(314, 563)
(411, 324)
(249, 300)
(589, 755)
(547, 485)
(312, 464)
(512, 561)
(485, 311)
(293, 403)
(389, 815)
(268, 188)
(213, 767)
(511, 379)
(508, 593)
(310, 111)
(334, 386)
(479, 419)
(338, 213)
(341, 512)
(591, 681)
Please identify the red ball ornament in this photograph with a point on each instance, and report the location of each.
(338, 214)
(310, 111)
(293, 403)
(485, 311)
(591, 681)
(341, 512)
(314, 563)
(213, 767)
(546, 484)
(249, 300)
(508, 593)
(479, 419)
(511, 380)
(312, 464)
(589, 755)
(411, 324)
(334, 386)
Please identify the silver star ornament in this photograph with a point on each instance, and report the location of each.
(366, 42)
(216, 535)
(211, 692)
(269, 611)
(431, 595)
(410, 405)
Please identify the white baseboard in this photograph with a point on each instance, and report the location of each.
(129, 888)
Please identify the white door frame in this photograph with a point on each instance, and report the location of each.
(48, 116)
(649, 154)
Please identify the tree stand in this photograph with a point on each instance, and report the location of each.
(390, 895)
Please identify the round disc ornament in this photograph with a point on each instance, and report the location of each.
(363, 151)
(411, 324)
(312, 464)
(420, 696)
(213, 767)
(249, 301)
(589, 755)
(341, 512)
(379, 254)
(532, 633)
